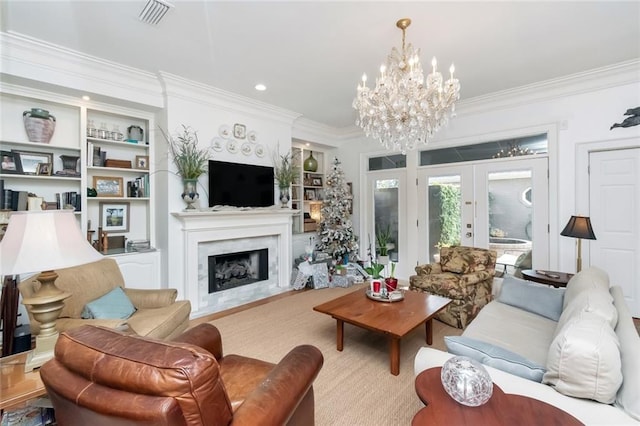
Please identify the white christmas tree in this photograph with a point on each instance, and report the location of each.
(335, 233)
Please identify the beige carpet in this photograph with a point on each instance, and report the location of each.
(354, 386)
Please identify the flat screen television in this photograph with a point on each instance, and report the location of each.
(240, 185)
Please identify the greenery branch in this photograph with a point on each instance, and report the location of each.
(190, 160)
(285, 171)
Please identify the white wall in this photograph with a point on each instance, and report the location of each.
(573, 111)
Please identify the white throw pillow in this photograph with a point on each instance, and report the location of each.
(596, 301)
(588, 279)
(584, 360)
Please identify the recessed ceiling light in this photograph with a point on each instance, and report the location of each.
(260, 87)
(86, 98)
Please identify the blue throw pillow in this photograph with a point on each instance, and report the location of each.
(113, 305)
(495, 356)
(535, 298)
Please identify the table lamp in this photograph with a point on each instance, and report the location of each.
(579, 227)
(43, 241)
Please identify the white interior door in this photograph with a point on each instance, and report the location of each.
(614, 198)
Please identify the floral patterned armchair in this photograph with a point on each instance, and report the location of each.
(464, 275)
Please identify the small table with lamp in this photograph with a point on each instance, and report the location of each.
(552, 278)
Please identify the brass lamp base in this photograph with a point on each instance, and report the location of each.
(46, 305)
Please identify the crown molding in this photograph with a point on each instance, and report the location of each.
(182, 88)
(588, 81)
(29, 58)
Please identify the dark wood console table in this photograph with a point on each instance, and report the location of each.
(501, 409)
(553, 278)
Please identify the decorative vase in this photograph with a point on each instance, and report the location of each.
(466, 381)
(189, 192)
(310, 164)
(284, 197)
(39, 125)
(391, 283)
(69, 164)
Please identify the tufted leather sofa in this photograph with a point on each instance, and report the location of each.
(101, 376)
(464, 275)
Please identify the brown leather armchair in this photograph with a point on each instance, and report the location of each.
(100, 376)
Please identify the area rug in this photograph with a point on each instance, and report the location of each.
(354, 386)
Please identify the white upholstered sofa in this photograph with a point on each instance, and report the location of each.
(569, 348)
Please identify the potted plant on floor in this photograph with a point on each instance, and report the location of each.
(383, 238)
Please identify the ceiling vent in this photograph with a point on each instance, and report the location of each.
(154, 11)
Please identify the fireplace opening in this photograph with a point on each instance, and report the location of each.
(232, 270)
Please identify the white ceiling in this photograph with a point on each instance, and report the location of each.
(311, 54)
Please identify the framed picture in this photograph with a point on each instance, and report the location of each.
(239, 131)
(29, 160)
(317, 181)
(310, 194)
(114, 217)
(10, 163)
(44, 169)
(142, 162)
(108, 186)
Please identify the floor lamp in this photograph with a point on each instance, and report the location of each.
(579, 227)
(43, 241)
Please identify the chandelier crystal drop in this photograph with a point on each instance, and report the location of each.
(404, 110)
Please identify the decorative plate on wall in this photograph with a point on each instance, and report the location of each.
(232, 146)
(246, 148)
(259, 151)
(225, 131)
(252, 136)
(217, 144)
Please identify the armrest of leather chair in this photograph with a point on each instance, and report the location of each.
(205, 336)
(276, 399)
(150, 299)
(429, 268)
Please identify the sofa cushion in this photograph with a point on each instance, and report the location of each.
(584, 360)
(628, 397)
(494, 356)
(536, 298)
(596, 301)
(114, 304)
(590, 278)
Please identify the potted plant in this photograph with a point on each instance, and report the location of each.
(190, 160)
(285, 173)
(375, 274)
(391, 281)
(383, 238)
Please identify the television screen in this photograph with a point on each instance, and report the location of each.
(240, 185)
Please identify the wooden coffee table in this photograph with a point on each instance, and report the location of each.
(395, 319)
(501, 409)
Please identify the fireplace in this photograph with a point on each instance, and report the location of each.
(227, 271)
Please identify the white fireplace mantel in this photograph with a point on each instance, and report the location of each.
(201, 226)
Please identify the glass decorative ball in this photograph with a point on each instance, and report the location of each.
(466, 381)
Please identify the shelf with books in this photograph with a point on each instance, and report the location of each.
(309, 186)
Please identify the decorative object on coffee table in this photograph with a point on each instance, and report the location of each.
(466, 381)
(39, 125)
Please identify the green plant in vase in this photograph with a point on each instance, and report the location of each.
(285, 173)
(383, 238)
(374, 270)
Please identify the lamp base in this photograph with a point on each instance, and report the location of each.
(42, 353)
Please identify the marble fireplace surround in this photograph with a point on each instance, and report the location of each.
(261, 227)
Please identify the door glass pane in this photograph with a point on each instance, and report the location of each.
(386, 197)
(445, 220)
(385, 162)
(510, 214)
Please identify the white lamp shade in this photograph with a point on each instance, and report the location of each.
(38, 241)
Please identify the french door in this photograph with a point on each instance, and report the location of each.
(502, 204)
(386, 210)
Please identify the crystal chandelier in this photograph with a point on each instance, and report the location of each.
(402, 109)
